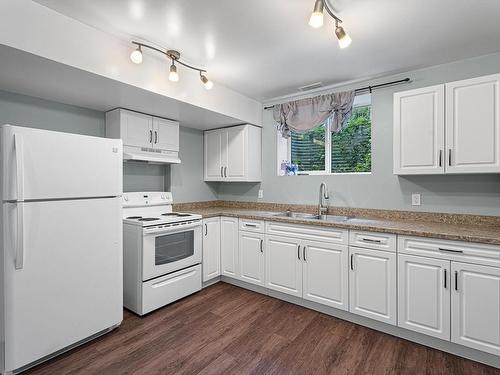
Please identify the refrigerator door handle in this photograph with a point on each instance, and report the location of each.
(20, 237)
(19, 149)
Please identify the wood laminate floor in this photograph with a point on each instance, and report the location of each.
(228, 330)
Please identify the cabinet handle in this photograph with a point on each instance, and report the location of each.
(298, 252)
(221, 169)
(445, 278)
(304, 253)
(449, 157)
(206, 229)
(150, 136)
(440, 158)
(225, 171)
(371, 240)
(456, 281)
(261, 244)
(352, 262)
(156, 136)
(450, 251)
(251, 225)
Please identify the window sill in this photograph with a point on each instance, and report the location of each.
(326, 174)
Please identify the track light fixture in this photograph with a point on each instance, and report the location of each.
(316, 21)
(174, 56)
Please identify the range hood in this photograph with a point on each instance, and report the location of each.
(150, 156)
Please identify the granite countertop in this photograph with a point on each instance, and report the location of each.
(487, 234)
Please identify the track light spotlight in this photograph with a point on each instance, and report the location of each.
(173, 76)
(316, 20)
(136, 55)
(342, 36)
(206, 82)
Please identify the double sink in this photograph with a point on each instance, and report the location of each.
(306, 216)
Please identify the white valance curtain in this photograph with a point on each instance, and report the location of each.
(305, 114)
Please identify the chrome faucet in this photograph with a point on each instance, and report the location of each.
(323, 196)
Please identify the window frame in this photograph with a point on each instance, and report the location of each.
(359, 101)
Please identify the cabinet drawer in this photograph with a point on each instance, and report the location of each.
(373, 240)
(252, 225)
(167, 289)
(334, 235)
(467, 252)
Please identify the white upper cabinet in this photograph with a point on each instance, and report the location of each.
(419, 131)
(233, 154)
(475, 300)
(165, 134)
(473, 125)
(145, 137)
(213, 155)
(450, 128)
(424, 295)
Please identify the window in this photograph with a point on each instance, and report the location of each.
(321, 151)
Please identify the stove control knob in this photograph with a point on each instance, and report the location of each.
(125, 198)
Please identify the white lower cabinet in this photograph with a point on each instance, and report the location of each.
(313, 270)
(372, 284)
(325, 276)
(283, 265)
(251, 258)
(424, 295)
(211, 248)
(229, 246)
(475, 311)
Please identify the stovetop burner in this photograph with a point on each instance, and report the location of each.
(148, 219)
(175, 214)
(134, 217)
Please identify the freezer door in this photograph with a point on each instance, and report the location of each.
(70, 284)
(42, 164)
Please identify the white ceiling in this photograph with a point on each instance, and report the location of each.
(265, 49)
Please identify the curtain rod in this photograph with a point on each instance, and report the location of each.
(370, 88)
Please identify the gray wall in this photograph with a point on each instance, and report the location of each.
(476, 194)
(185, 180)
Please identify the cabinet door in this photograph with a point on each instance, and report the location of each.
(325, 274)
(236, 153)
(473, 125)
(475, 306)
(251, 258)
(136, 129)
(165, 134)
(213, 155)
(283, 265)
(372, 284)
(419, 131)
(229, 246)
(424, 295)
(211, 248)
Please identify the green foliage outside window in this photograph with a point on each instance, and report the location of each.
(350, 148)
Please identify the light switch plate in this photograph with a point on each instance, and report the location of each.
(415, 199)
(261, 194)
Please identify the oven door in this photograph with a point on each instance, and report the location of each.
(170, 249)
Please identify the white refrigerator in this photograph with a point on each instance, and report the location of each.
(61, 236)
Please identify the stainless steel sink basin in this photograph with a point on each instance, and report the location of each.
(306, 216)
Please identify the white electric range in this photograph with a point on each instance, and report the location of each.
(161, 251)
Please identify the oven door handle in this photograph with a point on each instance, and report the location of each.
(172, 229)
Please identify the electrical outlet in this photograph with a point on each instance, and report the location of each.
(261, 194)
(415, 199)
